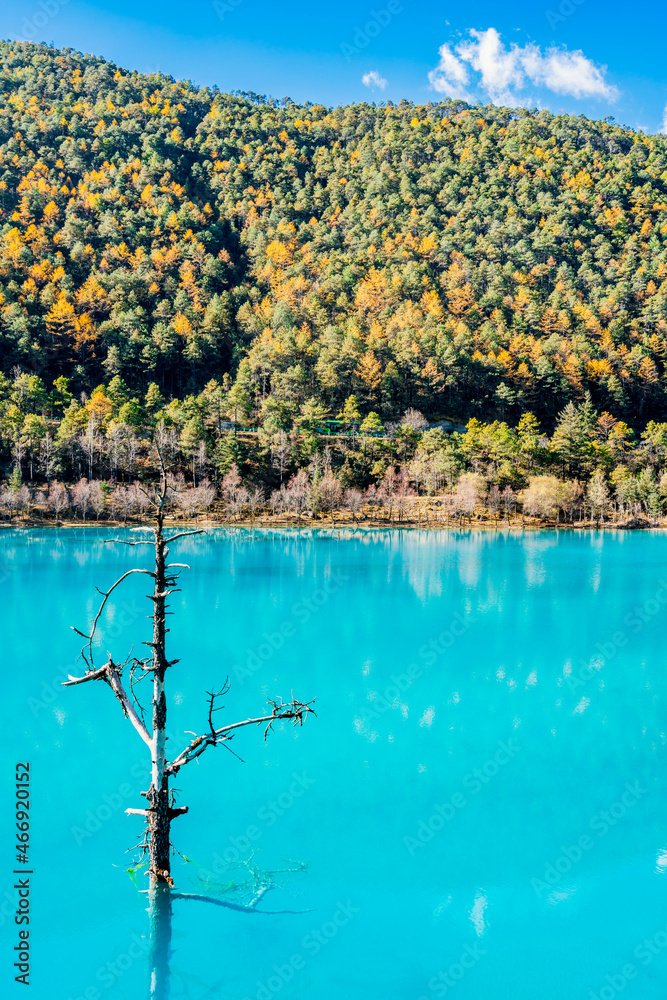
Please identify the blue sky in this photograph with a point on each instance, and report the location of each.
(591, 57)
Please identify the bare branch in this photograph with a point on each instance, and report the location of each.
(92, 675)
(295, 710)
(111, 674)
(184, 534)
(134, 681)
(106, 596)
(127, 706)
(123, 541)
(212, 707)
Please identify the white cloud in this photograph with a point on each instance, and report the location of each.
(373, 79)
(450, 76)
(571, 73)
(664, 121)
(502, 71)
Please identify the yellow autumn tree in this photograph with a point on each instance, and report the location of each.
(369, 372)
(61, 322)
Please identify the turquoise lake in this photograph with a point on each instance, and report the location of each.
(481, 800)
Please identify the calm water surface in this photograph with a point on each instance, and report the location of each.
(481, 800)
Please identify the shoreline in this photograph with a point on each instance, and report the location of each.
(431, 513)
(347, 524)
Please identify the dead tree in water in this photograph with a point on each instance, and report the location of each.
(160, 809)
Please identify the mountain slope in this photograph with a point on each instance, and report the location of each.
(461, 260)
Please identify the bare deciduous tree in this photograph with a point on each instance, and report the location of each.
(115, 438)
(277, 501)
(58, 499)
(234, 494)
(131, 452)
(9, 502)
(598, 495)
(81, 497)
(123, 503)
(386, 492)
(414, 419)
(96, 497)
(372, 497)
(19, 451)
(187, 501)
(493, 501)
(330, 491)
(90, 442)
(256, 500)
(141, 503)
(470, 491)
(509, 502)
(353, 499)
(297, 492)
(47, 462)
(204, 496)
(24, 498)
(166, 442)
(403, 491)
(202, 458)
(280, 452)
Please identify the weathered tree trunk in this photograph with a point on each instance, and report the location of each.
(159, 815)
(159, 811)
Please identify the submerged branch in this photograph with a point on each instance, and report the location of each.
(249, 908)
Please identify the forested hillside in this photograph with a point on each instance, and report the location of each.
(461, 260)
(175, 261)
